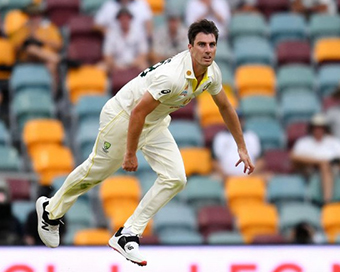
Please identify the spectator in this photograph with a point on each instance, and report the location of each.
(125, 49)
(171, 38)
(318, 151)
(140, 10)
(243, 5)
(31, 236)
(333, 113)
(308, 7)
(217, 11)
(38, 40)
(10, 227)
(225, 152)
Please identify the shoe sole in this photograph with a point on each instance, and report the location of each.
(143, 263)
(39, 210)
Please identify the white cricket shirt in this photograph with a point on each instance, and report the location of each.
(172, 82)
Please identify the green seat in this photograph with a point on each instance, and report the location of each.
(293, 214)
(90, 7)
(225, 238)
(269, 131)
(85, 138)
(30, 75)
(21, 209)
(9, 159)
(181, 237)
(299, 105)
(223, 53)
(31, 104)
(186, 133)
(8, 5)
(287, 26)
(314, 190)
(258, 106)
(4, 134)
(227, 74)
(247, 25)
(328, 79)
(324, 25)
(295, 76)
(178, 5)
(202, 191)
(286, 189)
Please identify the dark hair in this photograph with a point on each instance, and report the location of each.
(205, 26)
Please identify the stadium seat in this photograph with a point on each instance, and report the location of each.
(7, 6)
(186, 133)
(197, 160)
(269, 239)
(20, 189)
(41, 133)
(294, 213)
(90, 7)
(92, 237)
(214, 218)
(294, 131)
(256, 220)
(181, 237)
(30, 75)
(330, 220)
(61, 11)
(85, 81)
(323, 26)
(209, 133)
(287, 26)
(295, 76)
(289, 52)
(27, 105)
(4, 134)
(13, 21)
(186, 113)
(82, 26)
(202, 191)
(269, 131)
(51, 162)
(7, 58)
(157, 6)
(9, 159)
(252, 106)
(286, 188)
(278, 161)
(328, 79)
(255, 79)
(269, 7)
(244, 191)
(326, 50)
(299, 106)
(178, 5)
(121, 77)
(252, 50)
(225, 238)
(250, 25)
(21, 209)
(223, 53)
(85, 138)
(314, 189)
(175, 217)
(146, 178)
(85, 50)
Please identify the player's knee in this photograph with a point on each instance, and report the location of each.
(180, 182)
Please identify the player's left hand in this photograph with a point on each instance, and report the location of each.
(248, 165)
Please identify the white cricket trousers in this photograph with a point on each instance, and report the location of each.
(158, 147)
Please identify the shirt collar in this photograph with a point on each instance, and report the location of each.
(189, 71)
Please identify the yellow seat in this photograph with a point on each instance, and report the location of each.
(208, 112)
(86, 80)
(255, 80)
(41, 133)
(258, 219)
(14, 20)
(157, 6)
(330, 220)
(7, 58)
(245, 191)
(197, 160)
(51, 162)
(327, 50)
(91, 237)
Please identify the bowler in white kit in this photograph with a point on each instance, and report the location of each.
(137, 118)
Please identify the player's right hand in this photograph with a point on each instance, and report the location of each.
(130, 163)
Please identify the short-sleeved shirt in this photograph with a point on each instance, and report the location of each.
(172, 82)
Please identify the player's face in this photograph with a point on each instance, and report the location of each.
(204, 49)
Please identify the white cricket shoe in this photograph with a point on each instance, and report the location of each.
(48, 229)
(128, 246)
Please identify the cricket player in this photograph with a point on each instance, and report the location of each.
(138, 118)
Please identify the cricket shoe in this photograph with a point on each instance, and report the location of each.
(128, 246)
(48, 229)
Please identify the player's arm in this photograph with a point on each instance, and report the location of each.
(137, 119)
(231, 120)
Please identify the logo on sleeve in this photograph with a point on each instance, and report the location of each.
(165, 91)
